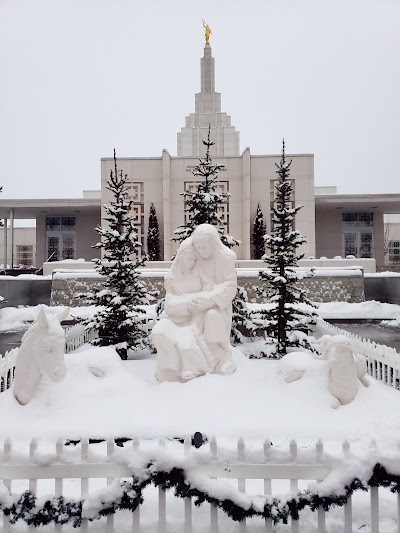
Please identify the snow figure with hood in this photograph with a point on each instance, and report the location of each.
(193, 339)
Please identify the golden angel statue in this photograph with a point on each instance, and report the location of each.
(207, 32)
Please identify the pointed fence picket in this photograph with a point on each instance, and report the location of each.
(383, 362)
(110, 466)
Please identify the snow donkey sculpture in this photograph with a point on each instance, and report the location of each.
(41, 352)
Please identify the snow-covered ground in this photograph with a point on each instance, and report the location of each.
(371, 309)
(254, 402)
(15, 318)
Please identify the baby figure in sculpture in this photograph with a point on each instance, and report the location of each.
(42, 351)
(193, 339)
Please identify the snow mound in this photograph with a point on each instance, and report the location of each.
(254, 402)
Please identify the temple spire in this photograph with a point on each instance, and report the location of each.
(208, 114)
(207, 65)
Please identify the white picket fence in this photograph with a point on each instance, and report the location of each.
(76, 336)
(383, 362)
(292, 466)
(7, 366)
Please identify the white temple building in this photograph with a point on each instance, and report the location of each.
(249, 179)
(333, 224)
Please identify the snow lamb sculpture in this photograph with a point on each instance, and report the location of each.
(193, 339)
(42, 351)
(344, 369)
(325, 344)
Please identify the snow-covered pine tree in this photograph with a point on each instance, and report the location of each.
(286, 323)
(259, 231)
(153, 236)
(205, 204)
(243, 324)
(119, 321)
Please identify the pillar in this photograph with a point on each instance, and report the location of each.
(12, 237)
(246, 223)
(5, 258)
(166, 190)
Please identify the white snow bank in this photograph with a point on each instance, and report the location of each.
(387, 274)
(254, 402)
(371, 309)
(25, 276)
(17, 318)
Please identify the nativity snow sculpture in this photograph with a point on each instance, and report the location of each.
(41, 352)
(193, 338)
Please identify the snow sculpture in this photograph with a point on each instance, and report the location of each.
(345, 369)
(325, 343)
(343, 378)
(41, 351)
(193, 339)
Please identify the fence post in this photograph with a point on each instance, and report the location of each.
(267, 482)
(187, 445)
(294, 484)
(162, 502)
(213, 510)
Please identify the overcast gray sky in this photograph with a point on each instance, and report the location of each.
(80, 77)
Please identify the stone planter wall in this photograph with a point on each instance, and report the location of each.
(328, 287)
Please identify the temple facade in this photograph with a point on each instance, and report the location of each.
(334, 225)
(249, 178)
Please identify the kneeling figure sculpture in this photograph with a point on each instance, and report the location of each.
(194, 337)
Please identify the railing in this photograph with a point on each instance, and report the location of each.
(90, 463)
(383, 362)
(78, 335)
(7, 368)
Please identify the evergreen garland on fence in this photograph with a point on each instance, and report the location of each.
(60, 510)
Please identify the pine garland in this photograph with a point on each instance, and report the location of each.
(61, 510)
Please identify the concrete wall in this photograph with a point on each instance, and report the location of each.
(25, 291)
(382, 289)
(22, 236)
(324, 288)
(328, 230)
(85, 237)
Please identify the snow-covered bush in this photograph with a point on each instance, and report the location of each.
(259, 231)
(153, 236)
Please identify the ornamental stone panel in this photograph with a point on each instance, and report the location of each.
(330, 287)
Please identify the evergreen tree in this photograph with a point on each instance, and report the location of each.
(286, 323)
(204, 205)
(153, 236)
(259, 231)
(243, 324)
(120, 319)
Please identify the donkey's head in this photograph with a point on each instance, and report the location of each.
(48, 345)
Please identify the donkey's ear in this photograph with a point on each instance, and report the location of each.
(42, 319)
(64, 314)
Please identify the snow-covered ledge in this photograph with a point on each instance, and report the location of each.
(367, 265)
